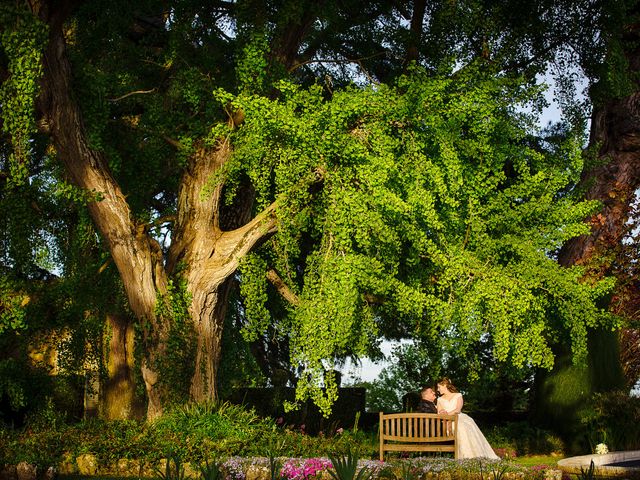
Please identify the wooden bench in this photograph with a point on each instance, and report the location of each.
(418, 432)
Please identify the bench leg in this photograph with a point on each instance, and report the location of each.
(380, 430)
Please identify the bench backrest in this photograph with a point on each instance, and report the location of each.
(418, 432)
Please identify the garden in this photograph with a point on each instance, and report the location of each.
(213, 212)
(242, 445)
(232, 442)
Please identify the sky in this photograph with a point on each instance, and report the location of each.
(367, 370)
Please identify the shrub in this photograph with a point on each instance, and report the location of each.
(524, 439)
(614, 419)
(198, 433)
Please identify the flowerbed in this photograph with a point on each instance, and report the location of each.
(258, 468)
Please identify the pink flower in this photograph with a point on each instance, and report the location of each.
(297, 470)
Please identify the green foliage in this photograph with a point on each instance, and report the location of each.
(427, 196)
(12, 303)
(177, 364)
(614, 77)
(498, 472)
(346, 468)
(253, 267)
(564, 396)
(252, 66)
(238, 366)
(12, 383)
(275, 465)
(211, 471)
(410, 367)
(524, 438)
(408, 472)
(195, 433)
(417, 206)
(222, 428)
(28, 391)
(21, 42)
(589, 474)
(175, 472)
(614, 419)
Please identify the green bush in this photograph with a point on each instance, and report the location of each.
(613, 419)
(200, 433)
(524, 439)
(194, 432)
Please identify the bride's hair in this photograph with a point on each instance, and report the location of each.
(447, 383)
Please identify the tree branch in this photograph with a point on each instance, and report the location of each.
(136, 92)
(164, 219)
(235, 244)
(287, 43)
(333, 60)
(415, 30)
(282, 288)
(134, 253)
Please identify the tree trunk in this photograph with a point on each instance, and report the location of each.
(136, 255)
(615, 129)
(209, 312)
(118, 401)
(209, 254)
(415, 31)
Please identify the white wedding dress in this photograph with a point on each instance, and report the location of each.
(471, 441)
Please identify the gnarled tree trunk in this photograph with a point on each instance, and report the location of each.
(615, 181)
(616, 128)
(210, 254)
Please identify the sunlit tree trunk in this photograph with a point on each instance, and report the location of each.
(118, 395)
(210, 254)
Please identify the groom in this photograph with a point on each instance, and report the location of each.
(427, 401)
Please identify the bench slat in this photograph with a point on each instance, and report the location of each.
(419, 439)
(418, 432)
(419, 448)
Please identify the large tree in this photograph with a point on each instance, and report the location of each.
(413, 201)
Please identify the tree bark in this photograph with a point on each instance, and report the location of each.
(615, 128)
(615, 131)
(118, 400)
(415, 31)
(137, 256)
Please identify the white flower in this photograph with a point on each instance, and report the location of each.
(602, 448)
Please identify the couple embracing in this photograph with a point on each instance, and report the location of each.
(472, 443)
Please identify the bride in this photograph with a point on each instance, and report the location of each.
(471, 441)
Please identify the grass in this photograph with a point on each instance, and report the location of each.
(532, 460)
